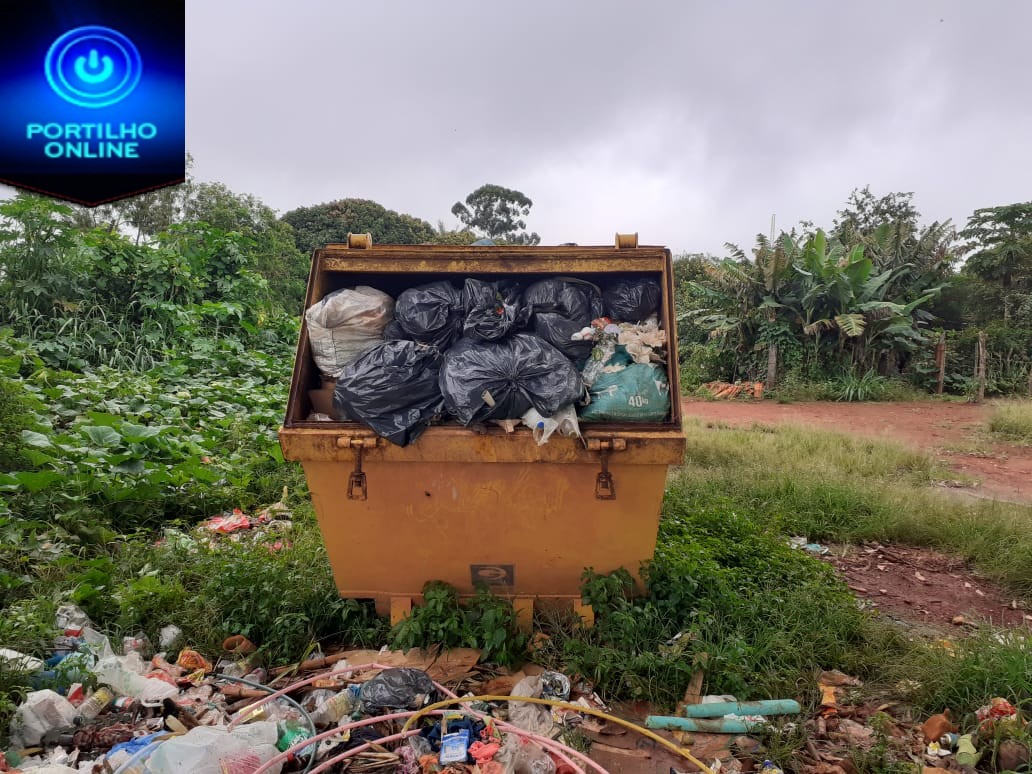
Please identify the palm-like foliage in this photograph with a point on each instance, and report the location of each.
(859, 304)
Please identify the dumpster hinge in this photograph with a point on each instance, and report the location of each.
(605, 489)
(357, 481)
(357, 488)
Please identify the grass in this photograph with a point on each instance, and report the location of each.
(830, 486)
(848, 387)
(723, 583)
(1012, 421)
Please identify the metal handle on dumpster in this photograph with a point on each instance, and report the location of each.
(357, 488)
(360, 241)
(605, 488)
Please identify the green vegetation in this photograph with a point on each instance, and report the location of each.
(497, 212)
(1012, 421)
(829, 486)
(486, 622)
(863, 301)
(145, 352)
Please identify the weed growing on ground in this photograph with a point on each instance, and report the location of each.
(1012, 421)
(883, 757)
(726, 585)
(443, 620)
(829, 486)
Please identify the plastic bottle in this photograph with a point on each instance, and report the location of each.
(97, 703)
(290, 733)
(333, 709)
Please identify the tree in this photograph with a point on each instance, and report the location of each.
(453, 236)
(865, 212)
(40, 255)
(1000, 251)
(274, 254)
(321, 224)
(149, 213)
(497, 212)
(749, 303)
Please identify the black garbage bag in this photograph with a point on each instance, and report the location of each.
(559, 308)
(632, 300)
(402, 688)
(394, 332)
(431, 313)
(504, 379)
(493, 309)
(392, 389)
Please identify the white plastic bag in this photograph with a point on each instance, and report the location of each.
(346, 323)
(115, 673)
(212, 750)
(19, 662)
(535, 718)
(564, 421)
(40, 712)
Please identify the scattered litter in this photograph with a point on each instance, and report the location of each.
(813, 548)
(936, 726)
(997, 711)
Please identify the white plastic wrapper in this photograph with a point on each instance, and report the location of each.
(40, 712)
(564, 421)
(346, 323)
(212, 750)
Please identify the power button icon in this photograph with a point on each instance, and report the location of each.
(93, 66)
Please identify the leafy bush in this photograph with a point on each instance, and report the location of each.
(852, 388)
(14, 419)
(486, 622)
(725, 585)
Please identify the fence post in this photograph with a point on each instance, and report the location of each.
(1030, 380)
(980, 365)
(940, 360)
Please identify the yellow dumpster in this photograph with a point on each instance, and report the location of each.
(480, 507)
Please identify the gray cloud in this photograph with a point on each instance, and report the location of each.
(690, 122)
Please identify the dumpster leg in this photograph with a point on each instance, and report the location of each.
(400, 609)
(586, 613)
(524, 609)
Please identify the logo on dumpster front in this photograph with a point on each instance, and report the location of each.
(493, 574)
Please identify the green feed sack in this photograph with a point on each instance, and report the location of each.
(638, 393)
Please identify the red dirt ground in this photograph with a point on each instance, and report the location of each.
(917, 585)
(924, 586)
(953, 432)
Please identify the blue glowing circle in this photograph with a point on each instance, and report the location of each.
(93, 67)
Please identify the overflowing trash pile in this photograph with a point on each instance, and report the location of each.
(548, 355)
(170, 708)
(176, 711)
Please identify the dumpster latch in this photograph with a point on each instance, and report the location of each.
(357, 489)
(605, 489)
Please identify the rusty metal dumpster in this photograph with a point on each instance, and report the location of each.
(489, 507)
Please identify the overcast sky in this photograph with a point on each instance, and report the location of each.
(689, 122)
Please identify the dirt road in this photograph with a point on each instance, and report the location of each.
(953, 432)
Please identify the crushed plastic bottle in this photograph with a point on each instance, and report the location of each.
(101, 699)
(338, 706)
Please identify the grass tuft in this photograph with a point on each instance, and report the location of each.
(830, 486)
(1012, 421)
